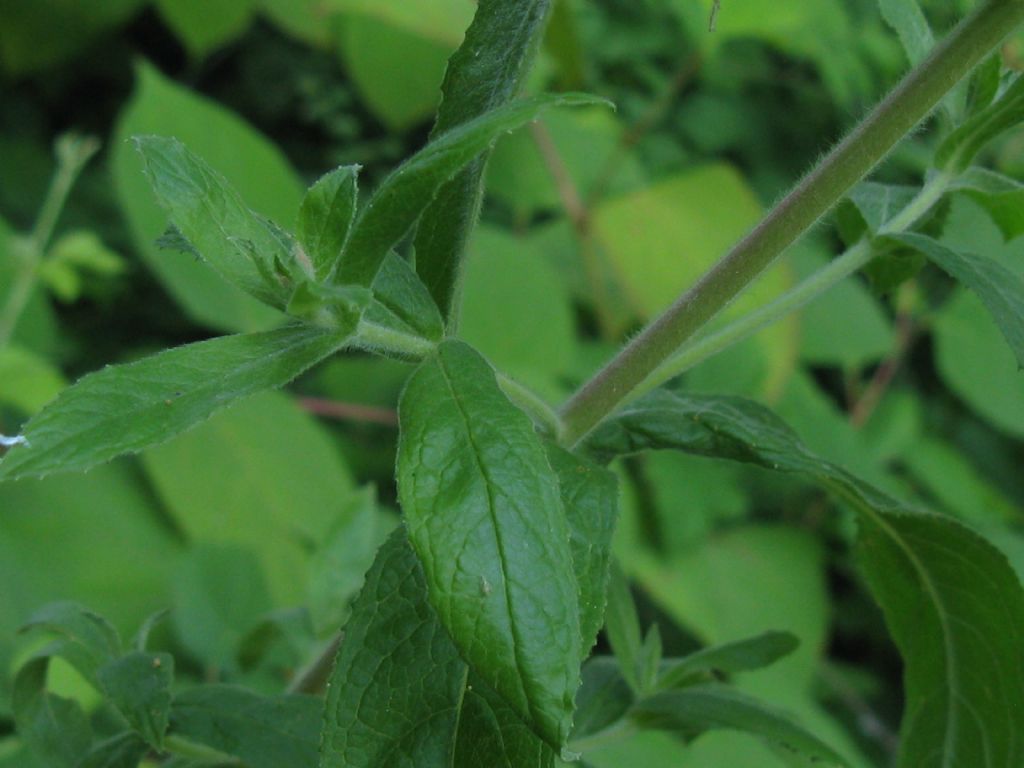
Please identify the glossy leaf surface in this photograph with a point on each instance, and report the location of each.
(485, 516)
(401, 696)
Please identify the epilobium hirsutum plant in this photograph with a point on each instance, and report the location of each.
(466, 646)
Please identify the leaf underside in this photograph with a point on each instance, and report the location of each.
(953, 604)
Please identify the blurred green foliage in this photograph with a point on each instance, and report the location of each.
(593, 222)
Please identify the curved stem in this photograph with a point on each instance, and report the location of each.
(528, 400)
(909, 103)
(837, 270)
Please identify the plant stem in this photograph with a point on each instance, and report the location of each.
(72, 155)
(379, 337)
(17, 299)
(700, 349)
(313, 677)
(334, 409)
(884, 376)
(579, 216)
(527, 400)
(909, 103)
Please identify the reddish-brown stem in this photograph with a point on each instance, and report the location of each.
(332, 409)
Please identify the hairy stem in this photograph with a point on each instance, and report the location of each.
(700, 349)
(379, 337)
(909, 103)
(527, 400)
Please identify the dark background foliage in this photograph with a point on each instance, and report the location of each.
(593, 222)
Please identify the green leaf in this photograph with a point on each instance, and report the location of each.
(971, 353)
(55, 729)
(590, 495)
(957, 485)
(243, 247)
(76, 253)
(819, 30)
(748, 566)
(403, 196)
(869, 206)
(203, 27)
(414, 37)
(397, 680)
(622, 626)
(40, 35)
(125, 750)
(1001, 291)
(518, 176)
(650, 659)
(219, 594)
(1001, 197)
(485, 516)
(85, 639)
(264, 731)
(400, 695)
(342, 559)
(603, 699)
(248, 160)
(984, 84)
(141, 638)
(125, 408)
(403, 302)
(694, 710)
(964, 673)
(91, 531)
(825, 322)
(263, 476)
(907, 19)
(491, 733)
(325, 217)
(484, 74)
(509, 284)
(708, 208)
(739, 656)
(27, 382)
(139, 685)
(960, 148)
(966, 691)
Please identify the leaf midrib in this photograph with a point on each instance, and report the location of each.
(952, 727)
(499, 541)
